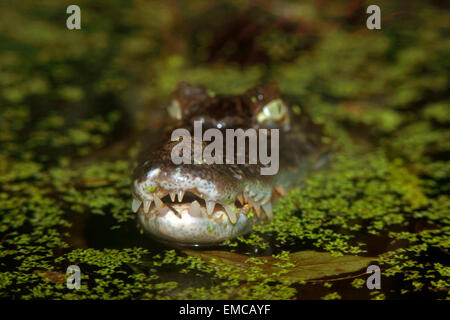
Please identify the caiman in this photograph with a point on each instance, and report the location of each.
(205, 204)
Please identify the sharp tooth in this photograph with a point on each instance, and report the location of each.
(281, 191)
(147, 204)
(268, 210)
(257, 208)
(173, 196)
(195, 210)
(135, 205)
(245, 196)
(240, 199)
(231, 214)
(180, 195)
(210, 207)
(158, 202)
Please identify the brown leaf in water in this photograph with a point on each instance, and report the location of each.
(53, 276)
(302, 265)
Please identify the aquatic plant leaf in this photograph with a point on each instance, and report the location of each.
(52, 276)
(316, 265)
(298, 266)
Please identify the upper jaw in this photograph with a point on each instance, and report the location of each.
(159, 197)
(191, 205)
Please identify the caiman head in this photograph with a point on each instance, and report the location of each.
(204, 202)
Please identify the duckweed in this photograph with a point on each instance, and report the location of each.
(73, 105)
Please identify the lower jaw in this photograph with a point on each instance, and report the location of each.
(194, 231)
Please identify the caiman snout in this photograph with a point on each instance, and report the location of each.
(195, 204)
(204, 203)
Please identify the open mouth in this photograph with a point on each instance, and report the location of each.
(158, 201)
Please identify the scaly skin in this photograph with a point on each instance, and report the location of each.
(201, 204)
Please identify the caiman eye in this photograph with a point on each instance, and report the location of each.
(274, 111)
(174, 110)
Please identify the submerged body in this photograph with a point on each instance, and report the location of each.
(205, 204)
